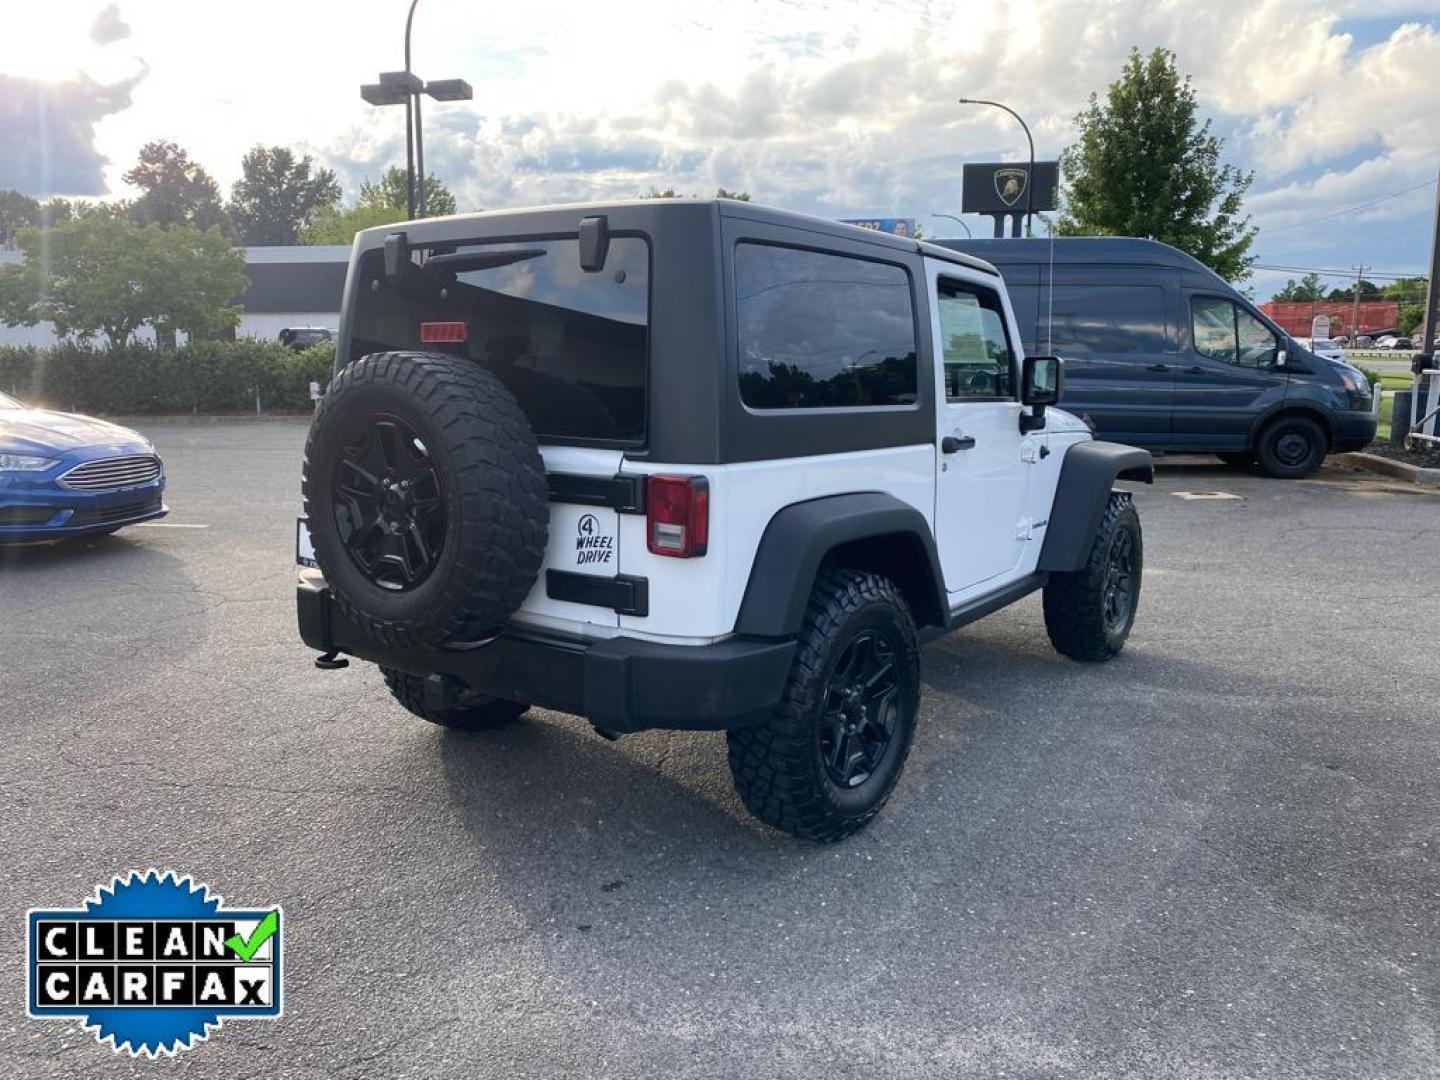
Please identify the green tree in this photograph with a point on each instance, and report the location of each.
(1410, 318)
(174, 189)
(103, 274)
(671, 193)
(338, 224)
(1145, 166)
(1368, 291)
(390, 191)
(278, 195)
(17, 212)
(1308, 288)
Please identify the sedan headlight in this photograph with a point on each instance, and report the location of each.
(25, 463)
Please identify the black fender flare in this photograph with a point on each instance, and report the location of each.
(1087, 474)
(800, 536)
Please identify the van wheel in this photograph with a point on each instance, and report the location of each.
(477, 713)
(1291, 447)
(1089, 612)
(825, 763)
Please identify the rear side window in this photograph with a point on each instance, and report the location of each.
(821, 330)
(571, 346)
(1112, 319)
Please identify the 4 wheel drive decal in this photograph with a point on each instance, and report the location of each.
(593, 546)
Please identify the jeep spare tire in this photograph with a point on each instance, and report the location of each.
(426, 498)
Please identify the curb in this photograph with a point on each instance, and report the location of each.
(1400, 470)
(138, 419)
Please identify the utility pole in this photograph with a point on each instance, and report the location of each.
(1355, 310)
(1432, 295)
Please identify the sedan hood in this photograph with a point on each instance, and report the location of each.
(39, 431)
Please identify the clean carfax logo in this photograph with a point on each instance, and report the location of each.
(152, 962)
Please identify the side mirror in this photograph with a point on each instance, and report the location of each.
(1041, 380)
(1282, 356)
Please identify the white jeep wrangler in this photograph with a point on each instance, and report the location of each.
(697, 464)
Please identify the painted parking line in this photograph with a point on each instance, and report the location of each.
(1192, 496)
(166, 525)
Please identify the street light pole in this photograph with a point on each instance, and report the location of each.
(952, 217)
(1030, 174)
(405, 88)
(412, 125)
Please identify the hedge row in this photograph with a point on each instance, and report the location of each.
(206, 376)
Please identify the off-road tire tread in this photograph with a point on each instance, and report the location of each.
(771, 762)
(1074, 602)
(500, 481)
(479, 715)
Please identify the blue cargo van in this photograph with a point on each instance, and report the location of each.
(1161, 353)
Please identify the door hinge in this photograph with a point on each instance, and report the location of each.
(1025, 528)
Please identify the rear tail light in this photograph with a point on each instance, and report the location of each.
(442, 333)
(677, 515)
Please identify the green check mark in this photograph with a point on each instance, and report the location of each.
(244, 948)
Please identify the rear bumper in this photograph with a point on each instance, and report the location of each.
(619, 684)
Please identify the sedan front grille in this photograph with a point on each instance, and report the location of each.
(111, 473)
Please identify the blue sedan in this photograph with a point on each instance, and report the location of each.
(64, 475)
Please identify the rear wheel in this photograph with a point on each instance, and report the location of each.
(829, 758)
(1291, 447)
(475, 713)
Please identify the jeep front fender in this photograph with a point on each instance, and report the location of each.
(1087, 474)
(876, 532)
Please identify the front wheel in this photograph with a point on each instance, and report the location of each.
(1089, 612)
(476, 713)
(1291, 447)
(825, 763)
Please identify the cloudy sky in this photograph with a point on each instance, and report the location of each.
(830, 106)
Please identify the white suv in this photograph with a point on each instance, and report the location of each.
(697, 464)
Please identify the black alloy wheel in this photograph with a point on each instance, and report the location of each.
(1120, 581)
(389, 504)
(860, 709)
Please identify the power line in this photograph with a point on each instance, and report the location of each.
(1369, 274)
(1350, 209)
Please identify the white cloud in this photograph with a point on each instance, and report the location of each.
(842, 107)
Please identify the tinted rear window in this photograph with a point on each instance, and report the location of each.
(823, 331)
(571, 346)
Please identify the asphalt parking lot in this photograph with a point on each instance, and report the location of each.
(1215, 857)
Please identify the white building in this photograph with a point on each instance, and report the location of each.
(289, 286)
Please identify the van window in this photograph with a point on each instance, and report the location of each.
(821, 330)
(979, 362)
(1104, 319)
(571, 346)
(1225, 331)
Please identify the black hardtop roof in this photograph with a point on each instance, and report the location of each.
(1079, 249)
(533, 218)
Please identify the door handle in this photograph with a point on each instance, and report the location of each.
(1158, 367)
(951, 444)
(1195, 369)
